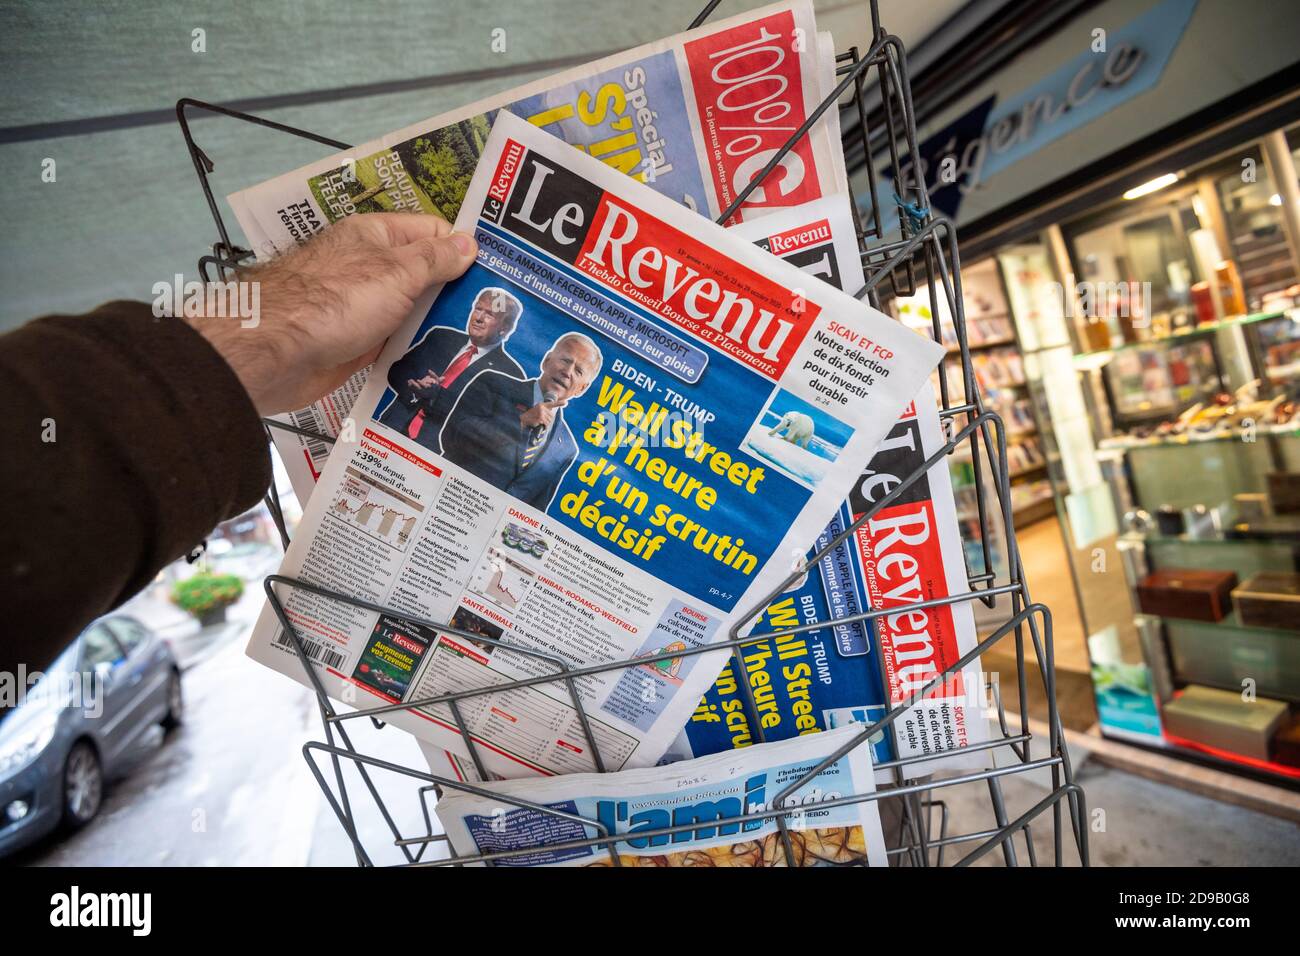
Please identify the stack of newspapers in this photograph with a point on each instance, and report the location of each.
(612, 440)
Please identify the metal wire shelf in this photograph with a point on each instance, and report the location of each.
(917, 250)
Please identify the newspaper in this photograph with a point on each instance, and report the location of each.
(818, 238)
(725, 418)
(699, 795)
(811, 681)
(821, 679)
(695, 116)
(912, 551)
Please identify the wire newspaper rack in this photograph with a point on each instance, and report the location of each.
(917, 250)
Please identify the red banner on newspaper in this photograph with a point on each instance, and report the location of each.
(902, 562)
(398, 450)
(749, 92)
(679, 278)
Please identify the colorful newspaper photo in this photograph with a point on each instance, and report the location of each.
(670, 416)
(694, 116)
(688, 814)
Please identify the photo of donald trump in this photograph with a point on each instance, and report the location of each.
(431, 375)
(512, 433)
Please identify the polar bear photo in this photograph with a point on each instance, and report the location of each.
(797, 438)
(794, 427)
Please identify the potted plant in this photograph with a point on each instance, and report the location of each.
(207, 595)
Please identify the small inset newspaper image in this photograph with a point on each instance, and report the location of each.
(800, 439)
(712, 811)
(376, 509)
(524, 540)
(467, 620)
(394, 652)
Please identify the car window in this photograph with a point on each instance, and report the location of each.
(99, 647)
(130, 633)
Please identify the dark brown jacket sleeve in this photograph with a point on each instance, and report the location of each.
(127, 439)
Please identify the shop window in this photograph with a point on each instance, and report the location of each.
(1253, 214)
(1135, 270)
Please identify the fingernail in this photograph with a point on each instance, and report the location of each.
(464, 244)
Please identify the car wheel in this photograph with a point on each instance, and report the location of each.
(175, 702)
(83, 785)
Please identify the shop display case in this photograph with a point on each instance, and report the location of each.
(999, 370)
(1160, 349)
(1251, 207)
(1202, 466)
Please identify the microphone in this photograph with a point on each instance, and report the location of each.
(536, 431)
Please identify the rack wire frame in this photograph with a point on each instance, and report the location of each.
(917, 250)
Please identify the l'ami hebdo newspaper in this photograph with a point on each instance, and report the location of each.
(694, 802)
(695, 116)
(820, 679)
(668, 423)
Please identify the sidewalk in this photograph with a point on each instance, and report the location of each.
(1132, 820)
(191, 643)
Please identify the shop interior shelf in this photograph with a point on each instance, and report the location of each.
(1219, 755)
(1113, 445)
(1256, 535)
(991, 344)
(1095, 358)
(1227, 624)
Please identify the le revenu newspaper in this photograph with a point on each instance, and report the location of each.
(912, 551)
(815, 680)
(695, 116)
(696, 802)
(666, 423)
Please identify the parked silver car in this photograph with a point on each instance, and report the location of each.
(70, 731)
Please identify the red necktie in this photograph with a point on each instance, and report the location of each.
(458, 365)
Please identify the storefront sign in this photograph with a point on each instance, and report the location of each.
(1000, 131)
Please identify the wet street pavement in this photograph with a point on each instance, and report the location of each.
(230, 786)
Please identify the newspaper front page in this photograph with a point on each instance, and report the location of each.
(822, 679)
(819, 239)
(695, 116)
(698, 796)
(664, 424)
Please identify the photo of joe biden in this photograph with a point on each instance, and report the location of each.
(435, 370)
(512, 433)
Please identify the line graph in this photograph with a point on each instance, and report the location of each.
(380, 512)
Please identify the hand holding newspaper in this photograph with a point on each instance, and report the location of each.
(695, 116)
(667, 425)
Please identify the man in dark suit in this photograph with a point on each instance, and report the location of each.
(431, 375)
(512, 433)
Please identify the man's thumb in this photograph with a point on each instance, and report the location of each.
(437, 259)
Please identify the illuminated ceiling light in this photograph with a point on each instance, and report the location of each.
(1152, 185)
(1275, 200)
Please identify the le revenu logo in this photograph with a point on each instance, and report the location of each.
(674, 275)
